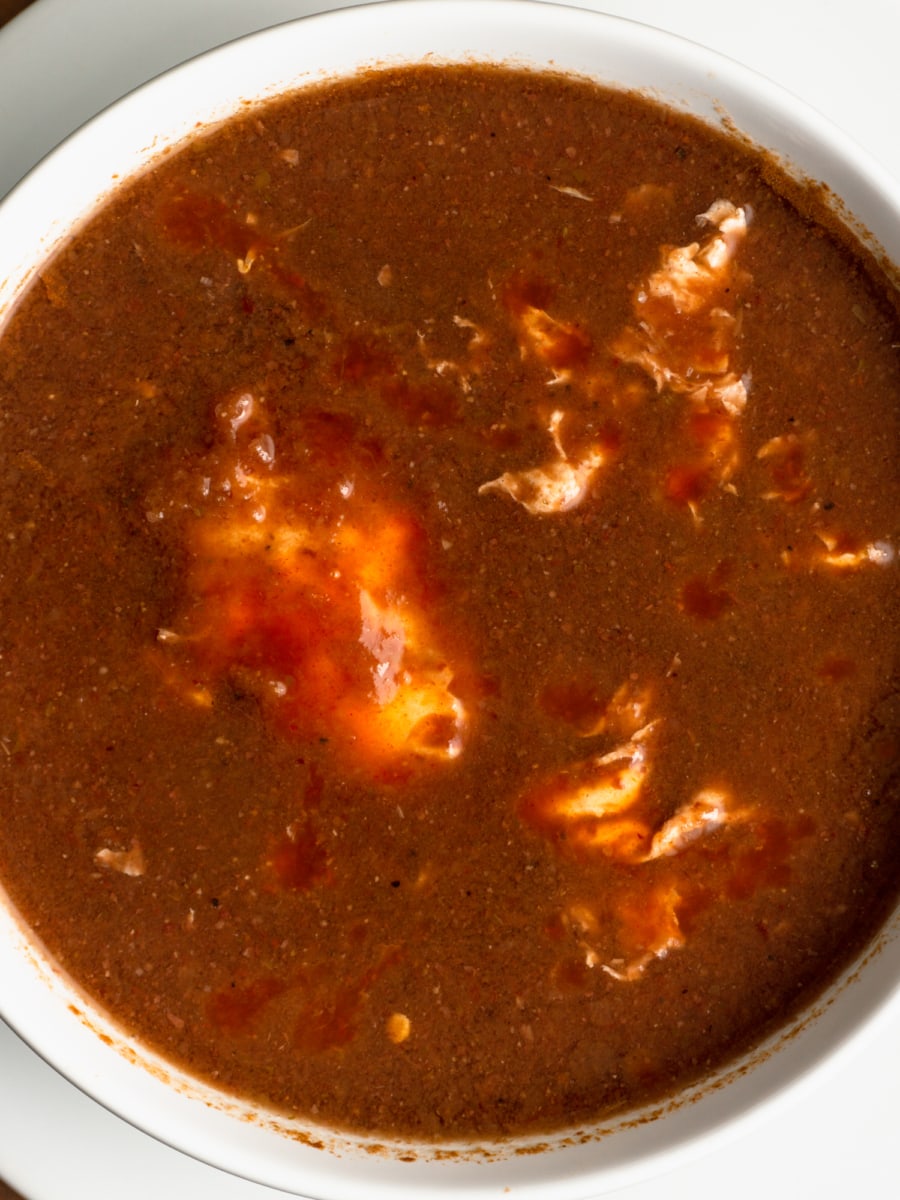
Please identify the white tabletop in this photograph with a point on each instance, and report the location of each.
(61, 61)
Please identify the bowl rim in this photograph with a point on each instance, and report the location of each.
(873, 192)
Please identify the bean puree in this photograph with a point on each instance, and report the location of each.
(449, 605)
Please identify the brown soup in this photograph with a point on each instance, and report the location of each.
(449, 606)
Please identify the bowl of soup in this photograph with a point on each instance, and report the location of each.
(450, 608)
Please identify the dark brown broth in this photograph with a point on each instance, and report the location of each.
(347, 781)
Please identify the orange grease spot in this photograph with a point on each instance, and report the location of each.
(196, 222)
(299, 861)
(700, 599)
(562, 345)
(767, 863)
(835, 668)
(327, 1022)
(234, 1010)
(575, 702)
(310, 591)
(686, 484)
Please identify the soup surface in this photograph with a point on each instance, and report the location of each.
(449, 604)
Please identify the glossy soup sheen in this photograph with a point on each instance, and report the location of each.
(449, 605)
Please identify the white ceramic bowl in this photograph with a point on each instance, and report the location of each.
(37, 1000)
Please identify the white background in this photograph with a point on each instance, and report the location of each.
(62, 60)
